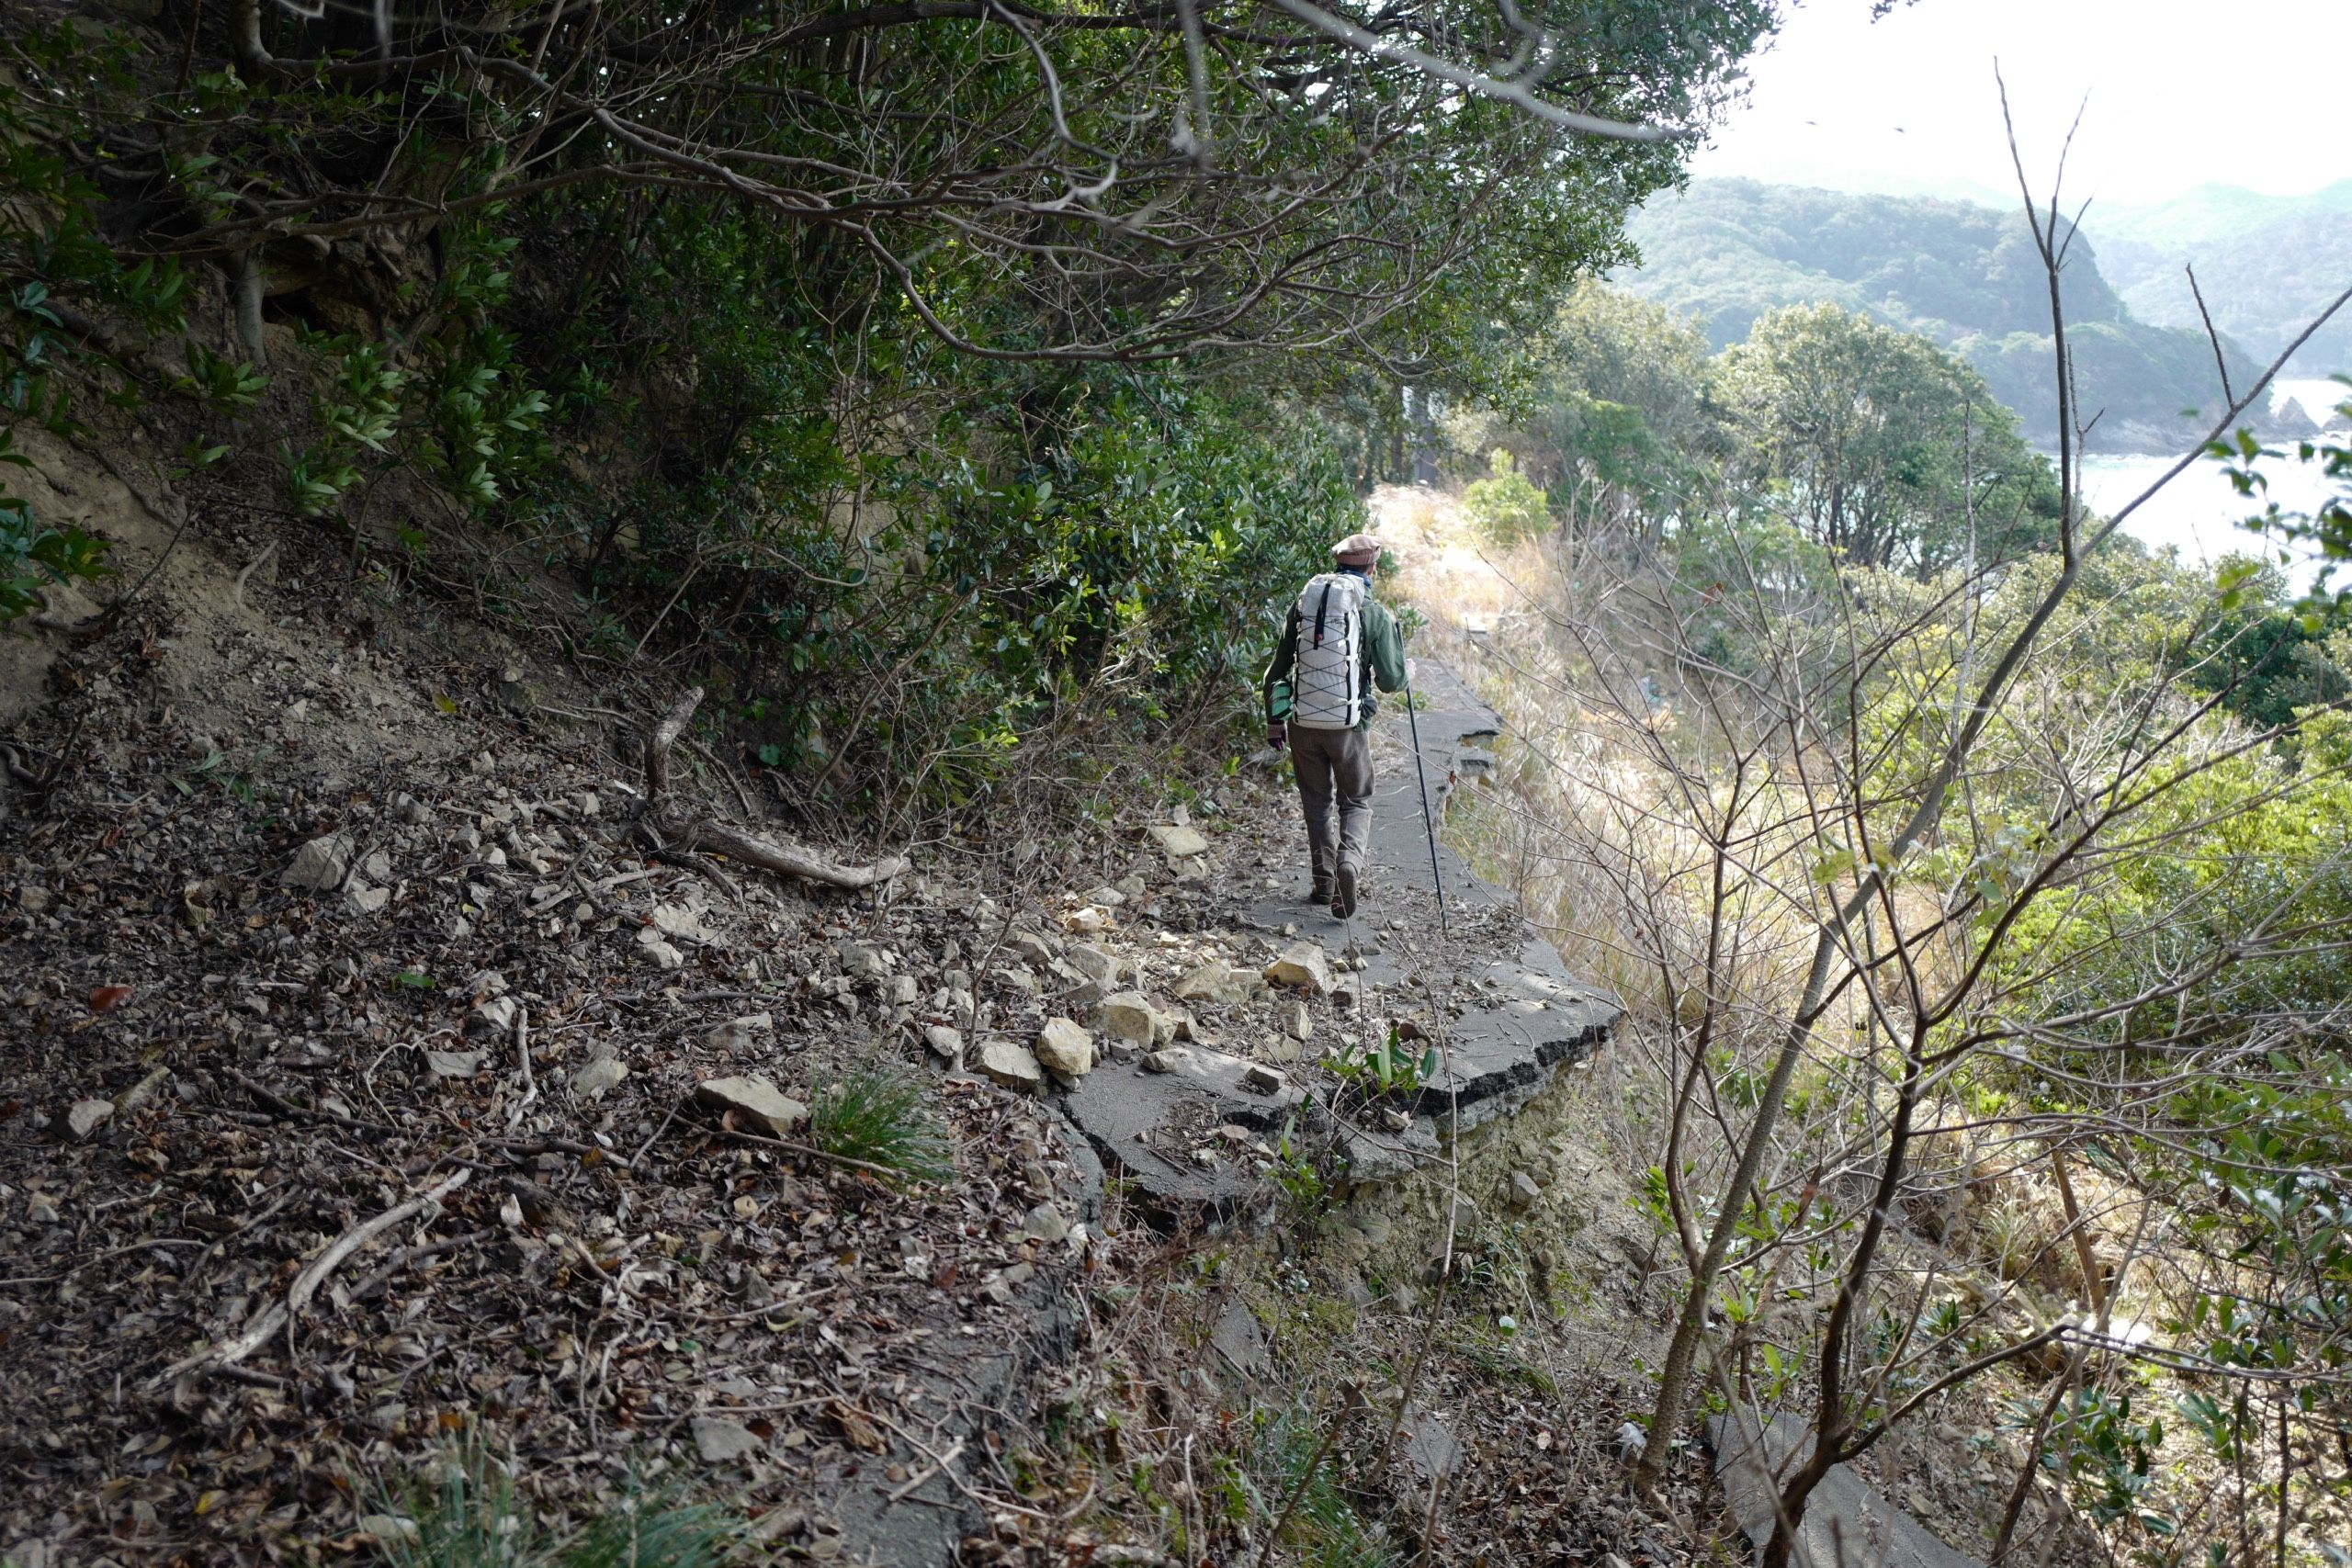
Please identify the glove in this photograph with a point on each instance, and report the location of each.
(1278, 735)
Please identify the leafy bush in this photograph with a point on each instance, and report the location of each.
(1505, 506)
(33, 556)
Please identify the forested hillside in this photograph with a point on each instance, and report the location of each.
(2263, 264)
(1727, 250)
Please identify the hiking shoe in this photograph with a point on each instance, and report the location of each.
(1343, 893)
(1319, 893)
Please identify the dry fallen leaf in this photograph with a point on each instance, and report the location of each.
(856, 1431)
(106, 999)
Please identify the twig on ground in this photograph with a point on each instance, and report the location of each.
(282, 1314)
(251, 567)
(522, 1053)
(922, 1477)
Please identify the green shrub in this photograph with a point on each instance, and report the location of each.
(1505, 506)
(33, 558)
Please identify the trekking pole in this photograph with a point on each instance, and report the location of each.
(1428, 822)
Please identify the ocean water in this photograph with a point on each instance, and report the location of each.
(2198, 514)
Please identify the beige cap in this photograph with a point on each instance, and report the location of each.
(1357, 547)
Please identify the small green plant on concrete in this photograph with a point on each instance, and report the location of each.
(882, 1117)
(1387, 1069)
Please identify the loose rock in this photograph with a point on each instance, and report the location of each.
(946, 1042)
(591, 1081)
(86, 1116)
(1012, 1066)
(1302, 965)
(720, 1442)
(1179, 843)
(1129, 1016)
(1065, 1047)
(321, 864)
(756, 1100)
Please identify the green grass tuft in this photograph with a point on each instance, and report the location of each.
(469, 1516)
(882, 1115)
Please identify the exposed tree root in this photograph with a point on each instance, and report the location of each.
(680, 838)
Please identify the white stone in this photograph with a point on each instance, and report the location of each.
(591, 1082)
(495, 1017)
(1046, 1222)
(719, 1441)
(1065, 1047)
(739, 1034)
(86, 1116)
(367, 900)
(946, 1042)
(1217, 982)
(321, 864)
(1262, 1079)
(1104, 968)
(661, 956)
(1129, 1016)
(1302, 1022)
(756, 1100)
(1302, 965)
(1012, 1066)
(677, 920)
(455, 1064)
(1179, 843)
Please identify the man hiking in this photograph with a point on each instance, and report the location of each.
(1337, 645)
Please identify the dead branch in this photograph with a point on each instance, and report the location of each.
(681, 835)
(277, 1314)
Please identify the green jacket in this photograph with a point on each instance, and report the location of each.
(1383, 659)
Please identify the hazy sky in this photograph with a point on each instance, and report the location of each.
(2249, 91)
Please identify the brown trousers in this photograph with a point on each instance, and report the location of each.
(1334, 763)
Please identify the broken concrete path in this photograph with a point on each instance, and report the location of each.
(1522, 1018)
(1161, 1126)
(1847, 1524)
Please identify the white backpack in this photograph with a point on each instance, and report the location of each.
(1327, 688)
